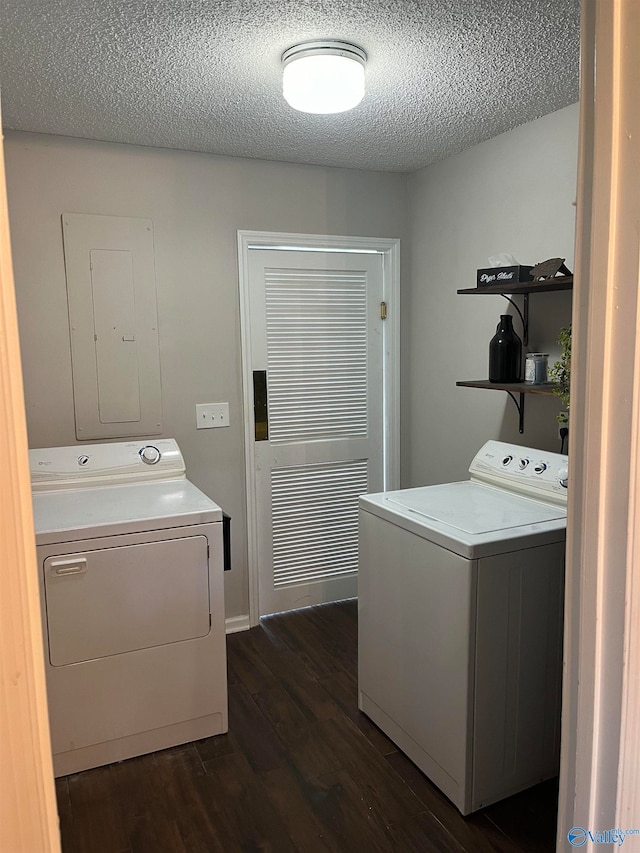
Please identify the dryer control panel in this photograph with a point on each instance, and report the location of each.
(83, 465)
(524, 470)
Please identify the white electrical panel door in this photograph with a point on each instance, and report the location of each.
(114, 322)
(114, 327)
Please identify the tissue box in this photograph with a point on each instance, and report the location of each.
(503, 275)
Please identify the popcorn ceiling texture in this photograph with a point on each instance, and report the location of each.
(205, 75)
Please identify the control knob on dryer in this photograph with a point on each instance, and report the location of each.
(150, 454)
(563, 476)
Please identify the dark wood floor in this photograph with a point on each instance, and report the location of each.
(300, 770)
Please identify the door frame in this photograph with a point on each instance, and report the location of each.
(389, 248)
(600, 759)
(28, 809)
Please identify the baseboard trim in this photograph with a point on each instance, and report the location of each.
(233, 624)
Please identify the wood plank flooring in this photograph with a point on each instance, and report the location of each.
(301, 769)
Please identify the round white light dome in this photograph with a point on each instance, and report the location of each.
(323, 77)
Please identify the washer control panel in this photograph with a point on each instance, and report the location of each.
(526, 470)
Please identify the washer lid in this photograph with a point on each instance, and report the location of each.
(473, 508)
(469, 518)
(73, 514)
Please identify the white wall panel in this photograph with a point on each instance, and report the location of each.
(113, 324)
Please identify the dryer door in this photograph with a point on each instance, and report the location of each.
(122, 599)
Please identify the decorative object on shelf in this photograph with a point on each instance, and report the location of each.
(549, 269)
(502, 269)
(535, 368)
(505, 352)
(560, 373)
(503, 275)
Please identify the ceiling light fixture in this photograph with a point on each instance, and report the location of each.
(323, 76)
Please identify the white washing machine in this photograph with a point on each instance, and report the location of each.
(460, 592)
(130, 557)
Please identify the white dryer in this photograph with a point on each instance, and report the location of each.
(130, 557)
(460, 606)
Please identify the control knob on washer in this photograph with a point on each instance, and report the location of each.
(150, 454)
(563, 476)
(522, 464)
(507, 459)
(541, 467)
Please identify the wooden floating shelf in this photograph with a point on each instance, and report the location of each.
(548, 388)
(513, 389)
(561, 282)
(517, 390)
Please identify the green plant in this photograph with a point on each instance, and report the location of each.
(561, 372)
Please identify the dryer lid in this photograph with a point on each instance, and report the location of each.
(73, 514)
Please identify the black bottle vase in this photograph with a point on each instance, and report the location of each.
(505, 352)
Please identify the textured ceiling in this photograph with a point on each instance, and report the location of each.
(204, 75)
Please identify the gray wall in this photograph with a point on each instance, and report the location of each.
(512, 194)
(197, 203)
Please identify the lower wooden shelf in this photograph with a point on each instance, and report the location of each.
(513, 388)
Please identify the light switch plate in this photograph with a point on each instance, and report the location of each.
(210, 415)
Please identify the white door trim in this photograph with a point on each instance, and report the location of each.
(389, 248)
(600, 762)
(28, 812)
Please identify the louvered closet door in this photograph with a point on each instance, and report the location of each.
(316, 337)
